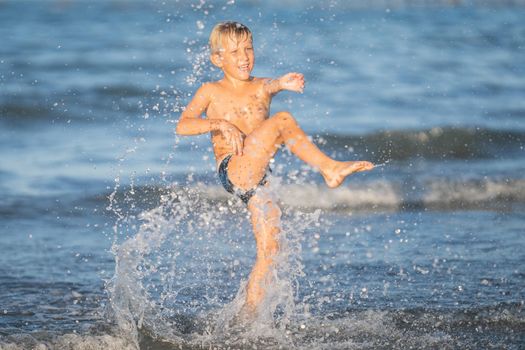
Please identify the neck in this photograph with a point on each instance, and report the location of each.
(236, 83)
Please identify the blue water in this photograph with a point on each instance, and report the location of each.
(115, 233)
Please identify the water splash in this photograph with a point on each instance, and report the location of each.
(169, 280)
(381, 164)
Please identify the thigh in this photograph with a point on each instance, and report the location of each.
(247, 170)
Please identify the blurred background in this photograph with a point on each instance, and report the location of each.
(434, 91)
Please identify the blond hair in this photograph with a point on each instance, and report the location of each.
(230, 29)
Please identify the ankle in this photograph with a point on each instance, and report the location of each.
(328, 166)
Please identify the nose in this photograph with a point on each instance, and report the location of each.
(244, 55)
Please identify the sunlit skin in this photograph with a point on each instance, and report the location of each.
(236, 110)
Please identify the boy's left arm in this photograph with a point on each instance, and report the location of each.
(290, 81)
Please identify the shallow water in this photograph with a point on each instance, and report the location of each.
(116, 234)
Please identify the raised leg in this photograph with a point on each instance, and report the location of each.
(245, 171)
(265, 218)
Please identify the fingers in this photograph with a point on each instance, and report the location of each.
(233, 136)
(300, 81)
(296, 76)
(294, 81)
(241, 146)
(235, 139)
(238, 145)
(239, 142)
(301, 84)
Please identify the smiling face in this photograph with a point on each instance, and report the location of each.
(235, 57)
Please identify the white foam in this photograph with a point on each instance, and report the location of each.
(474, 191)
(375, 194)
(388, 195)
(68, 341)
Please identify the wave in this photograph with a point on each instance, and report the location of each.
(378, 195)
(386, 195)
(67, 341)
(21, 112)
(438, 143)
(74, 103)
(370, 196)
(122, 91)
(474, 194)
(499, 326)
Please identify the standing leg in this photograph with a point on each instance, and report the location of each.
(246, 170)
(265, 218)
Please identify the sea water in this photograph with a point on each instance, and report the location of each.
(116, 234)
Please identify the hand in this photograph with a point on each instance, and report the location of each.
(292, 82)
(232, 135)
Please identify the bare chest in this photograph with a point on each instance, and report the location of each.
(245, 111)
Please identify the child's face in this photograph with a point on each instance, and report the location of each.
(236, 59)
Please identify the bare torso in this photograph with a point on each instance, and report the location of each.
(245, 107)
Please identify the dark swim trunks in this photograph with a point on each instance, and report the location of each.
(228, 186)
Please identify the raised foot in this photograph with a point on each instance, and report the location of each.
(336, 175)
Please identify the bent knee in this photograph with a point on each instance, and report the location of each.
(284, 117)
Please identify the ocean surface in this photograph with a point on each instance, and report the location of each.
(116, 234)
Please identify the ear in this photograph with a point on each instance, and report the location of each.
(216, 59)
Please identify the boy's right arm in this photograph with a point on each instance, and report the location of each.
(191, 123)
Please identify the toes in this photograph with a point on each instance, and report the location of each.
(365, 166)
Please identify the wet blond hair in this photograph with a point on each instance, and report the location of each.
(229, 29)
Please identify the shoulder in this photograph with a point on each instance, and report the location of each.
(212, 88)
(206, 88)
(262, 82)
(268, 85)
(206, 91)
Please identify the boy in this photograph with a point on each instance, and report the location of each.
(245, 139)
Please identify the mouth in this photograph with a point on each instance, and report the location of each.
(244, 68)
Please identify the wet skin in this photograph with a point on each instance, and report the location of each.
(237, 110)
